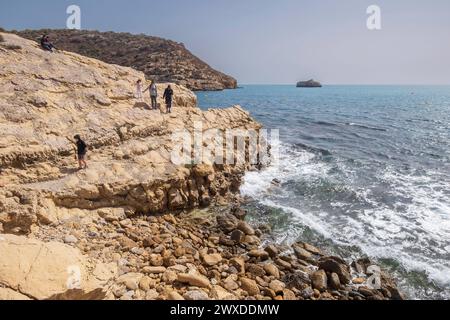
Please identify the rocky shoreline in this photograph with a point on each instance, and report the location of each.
(196, 255)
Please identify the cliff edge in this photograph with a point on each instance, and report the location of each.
(160, 59)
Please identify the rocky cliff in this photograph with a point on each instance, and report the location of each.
(160, 59)
(47, 98)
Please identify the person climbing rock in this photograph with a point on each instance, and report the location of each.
(168, 95)
(153, 94)
(81, 152)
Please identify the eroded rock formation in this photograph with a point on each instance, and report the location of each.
(47, 98)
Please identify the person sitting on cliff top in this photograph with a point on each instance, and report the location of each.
(81, 152)
(153, 94)
(168, 95)
(46, 44)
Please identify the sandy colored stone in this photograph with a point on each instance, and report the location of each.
(219, 293)
(272, 270)
(8, 294)
(250, 286)
(239, 264)
(130, 280)
(319, 280)
(192, 279)
(154, 270)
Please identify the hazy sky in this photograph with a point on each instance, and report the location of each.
(277, 41)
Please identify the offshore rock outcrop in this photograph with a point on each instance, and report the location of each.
(160, 59)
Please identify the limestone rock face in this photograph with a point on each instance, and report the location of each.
(46, 98)
(160, 59)
(31, 269)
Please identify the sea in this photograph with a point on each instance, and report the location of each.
(364, 171)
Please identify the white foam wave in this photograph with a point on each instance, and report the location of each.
(414, 232)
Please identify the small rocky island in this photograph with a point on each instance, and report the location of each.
(309, 84)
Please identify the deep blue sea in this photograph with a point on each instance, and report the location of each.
(364, 170)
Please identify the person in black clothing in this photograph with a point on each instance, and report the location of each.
(81, 152)
(46, 44)
(168, 95)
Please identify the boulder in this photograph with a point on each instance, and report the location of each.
(151, 295)
(272, 250)
(361, 265)
(219, 293)
(319, 280)
(154, 270)
(130, 280)
(255, 270)
(272, 270)
(70, 239)
(260, 254)
(334, 281)
(237, 236)
(227, 222)
(338, 266)
(302, 253)
(196, 295)
(146, 283)
(239, 264)
(246, 228)
(212, 259)
(230, 284)
(250, 286)
(41, 270)
(277, 286)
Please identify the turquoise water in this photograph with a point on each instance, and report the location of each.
(365, 170)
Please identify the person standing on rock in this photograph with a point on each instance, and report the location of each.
(153, 94)
(168, 95)
(81, 152)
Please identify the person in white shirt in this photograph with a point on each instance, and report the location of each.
(139, 91)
